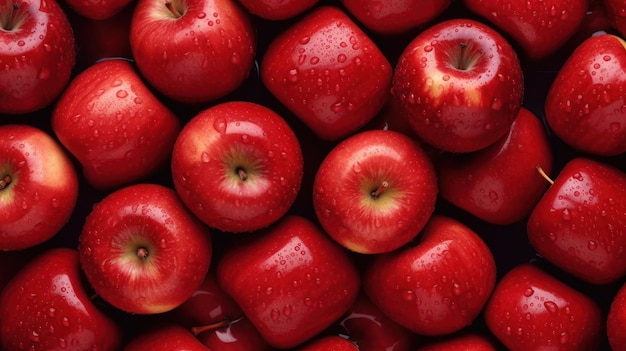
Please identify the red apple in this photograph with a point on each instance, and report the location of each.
(578, 224)
(616, 12)
(193, 51)
(37, 54)
(108, 117)
(459, 84)
(98, 10)
(329, 342)
(328, 72)
(465, 342)
(372, 330)
(38, 187)
(167, 337)
(500, 184)
(237, 166)
(277, 9)
(46, 307)
(438, 286)
(539, 27)
(291, 281)
(616, 320)
(233, 335)
(532, 310)
(394, 17)
(142, 251)
(375, 191)
(585, 106)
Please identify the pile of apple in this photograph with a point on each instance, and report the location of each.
(312, 175)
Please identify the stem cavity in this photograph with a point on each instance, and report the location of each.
(5, 182)
(381, 188)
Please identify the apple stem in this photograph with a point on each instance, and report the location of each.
(462, 59)
(201, 329)
(5, 181)
(544, 175)
(242, 174)
(170, 6)
(12, 20)
(381, 188)
(143, 253)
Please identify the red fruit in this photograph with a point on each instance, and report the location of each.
(585, 106)
(277, 9)
(540, 27)
(328, 72)
(237, 166)
(291, 281)
(465, 342)
(616, 11)
(169, 337)
(532, 310)
(438, 286)
(393, 17)
(459, 84)
(500, 184)
(108, 117)
(98, 10)
(192, 51)
(616, 321)
(45, 307)
(579, 224)
(235, 335)
(330, 342)
(38, 54)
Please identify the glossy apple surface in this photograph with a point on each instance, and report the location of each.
(237, 166)
(328, 72)
(465, 341)
(616, 11)
(460, 85)
(108, 117)
(142, 251)
(168, 337)
(616, 321)
(585, 106)
(500, 184)
(291, 281)
(45, 306)
(277, 10)
(375, 191)
(438, 286)
(38, 186)
(192, 51)
(330, 342)
(579, 222)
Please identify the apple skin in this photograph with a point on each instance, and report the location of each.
(532, 310)
(277, 10)
(578, 225)
(198, 57)
(142, 251)
(616, 320)
(98, 10)
(108, 117)
(45, 307)
(438, 286)
(166, 337)
(465, 342)
(236, 335)
(500, 184)
(395, 17)
(329, 342)
(328, 73)
(345, 183)
(540, 28)
(40, 196)
(585, 104)
(222, 141)
(460, 85)
(615, 10)
(38, 54)
(290, 280)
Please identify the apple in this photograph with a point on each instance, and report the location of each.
(616, 320)
(38, 186)
(46, 307)
(460, 85)
(142, 251)
(98, 10)
(108, 117)
(540, 28)
(290, 280)
(578, 225)
(329, 342)
(372, 330)
(616, 12)
(465, 341)
(277, 10)
(327, 72)
(585, 106)
(532, 310)
(237, 166)
(395, 17)
(437, 287)
(192, 51)
(500, 183)
(375, 191)
(166, 337)
(233, 335)
(38, 54)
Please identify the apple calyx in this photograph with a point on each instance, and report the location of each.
(175, 8)
(143, 253)
(378, 191)
(212, 326)
(5, 182)
(466, 57)
(12, 20)
(243, 175)
(544, 175)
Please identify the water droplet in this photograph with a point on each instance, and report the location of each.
(287, 310)
(34, 336)
(293, 75)
(268, 291)
(44, 73)
(337, 107)
(408, 295)
(21, 43)
(496, 104)
(304, 40)
(342, 58)
(592, 245)
(62, 343)
(428, 48)
(564, 338)
(551, 306)
(275, 314)
(52, 312)
(121, 93)
(220, 125)
(566, 215)
(308, 301)
(529, 292)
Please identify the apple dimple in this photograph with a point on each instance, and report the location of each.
(11, 21)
